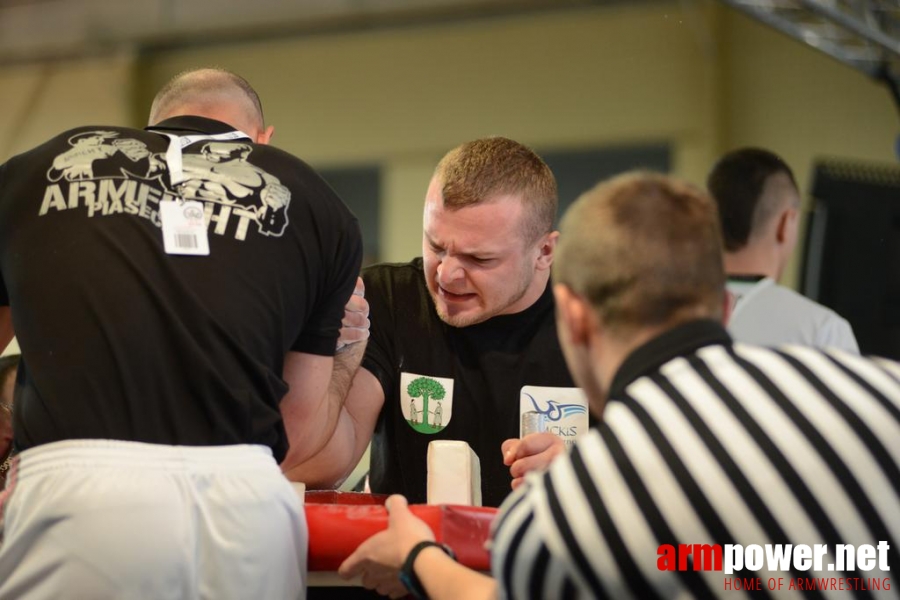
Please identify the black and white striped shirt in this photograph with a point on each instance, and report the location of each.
(705, 442)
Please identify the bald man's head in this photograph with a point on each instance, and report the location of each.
(212, 93)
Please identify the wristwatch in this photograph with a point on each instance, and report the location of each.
(408, 575)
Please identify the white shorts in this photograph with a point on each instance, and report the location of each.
(108, 519)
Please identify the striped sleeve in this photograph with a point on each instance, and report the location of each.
(521, 560)
(731, 445)
(557, 535)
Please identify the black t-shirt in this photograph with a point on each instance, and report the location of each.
(122, 341)
(475, 375)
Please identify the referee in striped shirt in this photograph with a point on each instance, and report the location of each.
(720, 470)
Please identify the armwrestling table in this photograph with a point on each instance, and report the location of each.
(340, 521)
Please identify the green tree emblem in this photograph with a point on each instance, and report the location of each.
(428, 389)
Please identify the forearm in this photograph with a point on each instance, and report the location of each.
(313, 406)
(328, 468)
(445, 579)
(339, 454)
(346, 364)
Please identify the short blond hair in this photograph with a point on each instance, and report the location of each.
(645, 250)
(481, 170)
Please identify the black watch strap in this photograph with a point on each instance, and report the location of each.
(408, 575)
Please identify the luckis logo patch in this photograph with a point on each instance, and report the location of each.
(559, 410)
(426, 402)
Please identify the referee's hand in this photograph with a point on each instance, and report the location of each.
(379, 558)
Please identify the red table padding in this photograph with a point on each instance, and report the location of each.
(341, 521)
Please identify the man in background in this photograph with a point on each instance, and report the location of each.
(759, 208)
(463, 339)
(702, 442)
(175, 348)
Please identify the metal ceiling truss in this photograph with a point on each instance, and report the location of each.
(863, 34)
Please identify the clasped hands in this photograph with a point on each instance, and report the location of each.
(355, 324)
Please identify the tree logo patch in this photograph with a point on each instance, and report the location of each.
(426, 402)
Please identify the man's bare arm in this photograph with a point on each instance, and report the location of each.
(355, 400)
(328, 467)
(313, 405)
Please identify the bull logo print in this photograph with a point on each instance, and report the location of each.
(102, 154)
(108, 174)
(220, 173)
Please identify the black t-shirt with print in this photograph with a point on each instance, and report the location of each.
(488, 364)
(122, 341)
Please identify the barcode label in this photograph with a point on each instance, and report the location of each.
(187, 241)
(183, 227)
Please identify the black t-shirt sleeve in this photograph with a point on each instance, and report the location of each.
(323, 327)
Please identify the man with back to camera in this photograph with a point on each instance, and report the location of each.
(759, 209)
(161, 385)
(465, 335)
(702, 441)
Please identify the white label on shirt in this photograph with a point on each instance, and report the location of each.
(559, 410)
(184, 229)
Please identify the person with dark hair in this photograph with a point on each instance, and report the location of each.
(711, 457)
(8, 366)
(759, 208)
(178, 295)
(463, 339)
